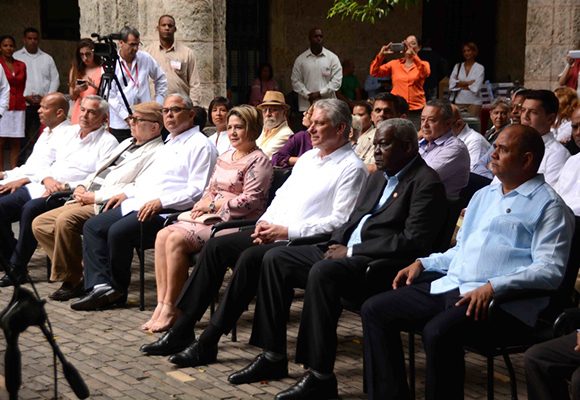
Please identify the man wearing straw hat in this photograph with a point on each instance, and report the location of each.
(276, 130)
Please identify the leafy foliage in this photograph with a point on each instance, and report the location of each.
(365, 11)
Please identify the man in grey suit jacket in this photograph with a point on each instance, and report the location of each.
(399, 214)
(59, 231)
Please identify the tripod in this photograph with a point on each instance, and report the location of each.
(27, 309)
(109, 77)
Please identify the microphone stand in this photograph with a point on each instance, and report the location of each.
(27, 309)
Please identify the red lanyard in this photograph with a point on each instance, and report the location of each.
(136, 79)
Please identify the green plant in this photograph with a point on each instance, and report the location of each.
(364, 11)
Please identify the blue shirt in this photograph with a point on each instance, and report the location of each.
(520, 240)
(392, 182)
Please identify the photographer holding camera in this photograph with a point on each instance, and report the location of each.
(408, 74)
(133, 70)
(569, 76)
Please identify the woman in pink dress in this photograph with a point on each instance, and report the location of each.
(84, 76)
(263, 82)
(237, 189)
(12, 122)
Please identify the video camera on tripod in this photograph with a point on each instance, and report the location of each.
(107, 49)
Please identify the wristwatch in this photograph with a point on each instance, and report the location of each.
(212, 207)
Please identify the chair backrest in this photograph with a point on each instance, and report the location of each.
(475, 183)
(278, 178)
(443, 241)
(566, 289)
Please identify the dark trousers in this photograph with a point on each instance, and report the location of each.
(18, 206)
(325, 282)
(31, 131)
(445, 329)
(550, 365)
(120, 134)
(108, 242)
(235, 250)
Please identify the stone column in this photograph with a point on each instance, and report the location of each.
(553, 28)
(201, 25)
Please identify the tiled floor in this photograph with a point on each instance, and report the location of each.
(104, 348)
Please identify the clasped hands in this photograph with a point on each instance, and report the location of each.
(266, 232)
(477, 300)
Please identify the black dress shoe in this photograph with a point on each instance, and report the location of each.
(68, 291)
(100, 299)
(5, 281)
(260, 370)
(310, 387)
(194, 356)
(169, 343)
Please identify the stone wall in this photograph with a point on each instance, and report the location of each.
(292, 19)
(553, 28)
(200, 25)
(16, 15)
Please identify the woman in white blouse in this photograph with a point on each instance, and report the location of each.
(466, 79)
(217, 111)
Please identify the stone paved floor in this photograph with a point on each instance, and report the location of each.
(104, 348)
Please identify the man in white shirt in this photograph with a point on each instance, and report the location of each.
(41, 78)
(176, 179)
(568, 186)
(176, 60)
(317, 198)
(4, 92)
(136, 67)
(539, 111)
(78, 152)
(317, 73)
(476, 144)
(53, 114)
(276, 131)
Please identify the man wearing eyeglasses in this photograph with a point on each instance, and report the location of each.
(59, 231)
(178, 173)
(135, 67)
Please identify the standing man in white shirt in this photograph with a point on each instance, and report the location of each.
(136, 67)
(176, 179)
(41, 78)
(539, 110)
(317, 73)
(81, 149)
(4, 93)
(176, 60)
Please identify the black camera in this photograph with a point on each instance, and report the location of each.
(105, 47)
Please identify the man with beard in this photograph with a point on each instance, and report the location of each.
(276, 130)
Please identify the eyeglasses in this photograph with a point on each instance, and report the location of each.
(87, 54)
(383, 146)
(136, 44)
(174, 110)
(136, 120)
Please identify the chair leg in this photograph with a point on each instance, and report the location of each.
(141, 252)
(48, 268)
(490, 389)
(235, 333)
(512, 374)
(411, 337)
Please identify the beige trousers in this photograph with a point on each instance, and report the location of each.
(59, 233)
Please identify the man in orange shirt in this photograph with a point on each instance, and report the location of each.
(407, 73)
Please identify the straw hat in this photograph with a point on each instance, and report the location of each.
(273, 98)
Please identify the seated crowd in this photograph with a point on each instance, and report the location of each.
(383, 193)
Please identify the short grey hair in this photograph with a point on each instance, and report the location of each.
(501, 102)
(444, 107)
(103, 105)
(338, 112)
(129, 30)
(404, 130)
(186, 100)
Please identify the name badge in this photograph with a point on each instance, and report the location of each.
(175, 65)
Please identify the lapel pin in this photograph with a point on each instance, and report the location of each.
(395, 195)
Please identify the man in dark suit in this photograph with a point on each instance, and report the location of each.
(399, 215)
